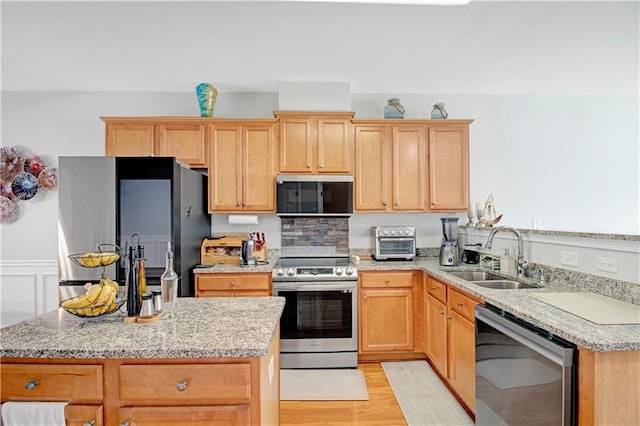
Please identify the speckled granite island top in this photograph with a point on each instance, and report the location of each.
(205, 328)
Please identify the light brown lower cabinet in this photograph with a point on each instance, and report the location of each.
(83, 415)
(450, 337)
(185, 416)
(390, 315)
(140, 392)
(233, 285)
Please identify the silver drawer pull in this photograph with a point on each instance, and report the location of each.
(31, 385)
(89, 423)
(125, 424)
(460, 304)
(181, 386)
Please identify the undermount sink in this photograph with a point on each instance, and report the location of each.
(476, 275)
(503, 284)
(488, 279)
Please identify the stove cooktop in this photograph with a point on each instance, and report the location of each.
(314, 269)
(294, 262)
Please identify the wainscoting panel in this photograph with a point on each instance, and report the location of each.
(27, 289)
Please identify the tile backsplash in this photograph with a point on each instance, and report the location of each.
(314, 236)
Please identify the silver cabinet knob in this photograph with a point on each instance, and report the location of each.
(181, 386)
(89, 423)
(321, 165)
(31, 385)
(125, 424)
(460, 304)
(364, 297)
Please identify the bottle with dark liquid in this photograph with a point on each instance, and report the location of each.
(133, 299)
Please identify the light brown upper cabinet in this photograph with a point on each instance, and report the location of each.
(242, 166)
(182, 137)
(448, 167)
(315, 142)
(411, 165)
(390, 166)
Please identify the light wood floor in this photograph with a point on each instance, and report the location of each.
(381, 408)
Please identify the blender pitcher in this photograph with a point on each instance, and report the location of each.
(449, 248)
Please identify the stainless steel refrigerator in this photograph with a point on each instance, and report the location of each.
(105, 200)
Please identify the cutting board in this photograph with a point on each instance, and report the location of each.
(593, 307)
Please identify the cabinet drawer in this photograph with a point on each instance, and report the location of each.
(387, 280)
(205, 416)
(47, 382)
(462, 304)
(437, 289)
(234, 282)
(81, 415)
(193, 382)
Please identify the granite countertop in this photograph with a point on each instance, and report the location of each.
(584, 333)
(224, 327)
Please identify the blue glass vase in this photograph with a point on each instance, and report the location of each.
(207, 95)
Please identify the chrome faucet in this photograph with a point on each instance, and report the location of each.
(522, 264)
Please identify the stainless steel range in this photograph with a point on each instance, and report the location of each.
(319, 327)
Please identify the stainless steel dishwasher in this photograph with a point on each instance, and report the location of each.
(524, 375)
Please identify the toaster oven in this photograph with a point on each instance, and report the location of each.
(394, 242)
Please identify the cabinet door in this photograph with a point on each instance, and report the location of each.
(371, 168)
(437, 334)
(335, 151)
(129, 140)
(184, 141)
(185, 416)
(225, 169)
(82, 415)
(296, 145)
(259, 168)
(461, 357)
(449, 168)
(386, 320)
(409, 163)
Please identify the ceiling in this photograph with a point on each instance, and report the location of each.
(495, 47)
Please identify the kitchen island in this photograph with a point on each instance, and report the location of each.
(217, 362)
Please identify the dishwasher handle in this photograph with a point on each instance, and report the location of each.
(556, 353)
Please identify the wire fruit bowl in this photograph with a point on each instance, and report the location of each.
(103, 257)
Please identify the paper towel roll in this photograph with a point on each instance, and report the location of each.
(243, 219)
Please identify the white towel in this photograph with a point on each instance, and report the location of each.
(33, 413)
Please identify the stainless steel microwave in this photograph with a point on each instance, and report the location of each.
(314, 195)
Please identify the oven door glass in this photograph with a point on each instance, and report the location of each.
(317, 314)
(396, 246)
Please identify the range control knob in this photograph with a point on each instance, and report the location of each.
(291, 272)
(280, 272)
(393, 232)
(385, 232)
(348, 271)
(338, 271)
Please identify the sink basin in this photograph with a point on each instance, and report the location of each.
(502, 284)
(476, 275)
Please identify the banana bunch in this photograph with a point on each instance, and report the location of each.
(99, 299)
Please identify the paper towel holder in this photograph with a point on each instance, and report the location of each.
(242, 219)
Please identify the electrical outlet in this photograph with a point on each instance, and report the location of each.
(607, 264)
(569, 258)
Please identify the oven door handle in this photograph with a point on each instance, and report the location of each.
(314, 287)
(396, 239)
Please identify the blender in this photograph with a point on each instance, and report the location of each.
(449, 248)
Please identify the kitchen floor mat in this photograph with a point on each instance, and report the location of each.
(423, 398)
(322, 385)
